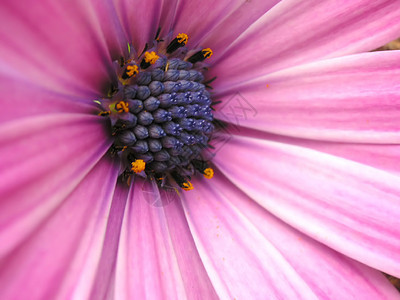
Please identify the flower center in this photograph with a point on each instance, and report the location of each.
(160, 113)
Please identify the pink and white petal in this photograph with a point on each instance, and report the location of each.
(65, 51)
(60, 257)
(104, 281)
(21, 98)
(197, 20)
(350, 99)
(233, 25)
(380, 156)
(237, 238)
(384, 157)
(107, 14)
(350, 207)
(168, 14)
(140, 20)
(157, 256)
(43, 160)
(296, 32)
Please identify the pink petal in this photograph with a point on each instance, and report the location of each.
(251, 254)
(295, 32)
(140, 20)
(349, 99)
(196, 19)
(168, 13)
(43, 160)
(109, 18)
(384, 157)
(380, 156)
(157, 256)
(104, 282)
(57, 45)
(234, 24)
(59, 259)
(22, 98)
(350, 207)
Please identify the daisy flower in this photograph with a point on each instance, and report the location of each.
(195, 149)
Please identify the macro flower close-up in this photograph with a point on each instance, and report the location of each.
(196, 149)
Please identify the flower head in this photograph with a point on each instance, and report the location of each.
(160, 113)
(276, 101)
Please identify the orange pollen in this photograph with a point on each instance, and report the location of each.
(104, 113)
(187, 186)
(151, 57)
(182, 38)
(207, 52)
(132, 70)
(208, 173)
(138, 166)
(122, 106)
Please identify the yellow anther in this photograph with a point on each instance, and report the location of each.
(207, 52)
(182, 38)
(208, 173)
(132, 70)
(151, 57)
(187, 186)
(178, 42)
(104, 113)
(122, 106)
(138, 166)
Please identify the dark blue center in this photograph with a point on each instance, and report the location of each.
(169, 121)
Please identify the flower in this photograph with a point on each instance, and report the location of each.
(304, 202)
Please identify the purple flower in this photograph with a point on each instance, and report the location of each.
(305, 201)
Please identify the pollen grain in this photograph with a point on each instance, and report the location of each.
(182, 38)
(151, 57)
(122, 106)
(207, 52)
(208, 173)
(187, 186)
(138, 166)
(132, 70)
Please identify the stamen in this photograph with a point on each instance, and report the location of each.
(208, 173)
(138, 166)
(182, 38)
(122, 106)
(187, 186)
(150, 58)
(183, 182)
(180, 41)
(157, 34)
(203, 168)
(104, 113)
(201, 55)
(207, 52)
(130, 71)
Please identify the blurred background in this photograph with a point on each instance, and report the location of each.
(394, 45)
